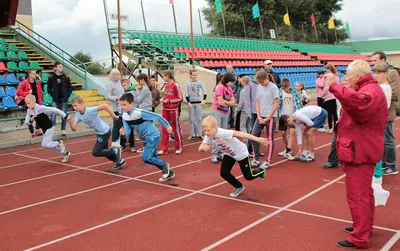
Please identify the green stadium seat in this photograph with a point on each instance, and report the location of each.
(12, 66)
(45, 77)
(47, 99)
(3, 47)
(35, 65)
(12, 56)
(24, 66)
(21, 75)
(2, 56)
(22, 55)
(71, 97)
(2, 41)
(13, 47)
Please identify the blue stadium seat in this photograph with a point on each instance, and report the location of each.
(11, 91)
(2, 81)
(1, 106)
(2, 94)
(11, 79)
(9, 103)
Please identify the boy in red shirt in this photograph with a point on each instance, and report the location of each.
(172, 99)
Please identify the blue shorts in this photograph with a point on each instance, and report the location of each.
(320, 120)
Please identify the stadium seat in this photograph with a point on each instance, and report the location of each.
(35, 65)
(22, 55)
(47, 99)
(2, 56)
(1, 106)
(12, 66)
(13, 47)
(3, 67)
(11, 91)
(23, 66)
(8, 102)
(12, 56)
(11, 79)
(2, 94)
(2, 80)
(3, 47)
(2, 41)
(45, 77)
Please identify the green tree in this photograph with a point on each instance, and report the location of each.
(92, 68)
(274, 10)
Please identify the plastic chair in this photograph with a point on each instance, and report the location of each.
(8, 102)
(11, 91)
(2, 94)
(2, 80)
(12, 66)
(11, 79)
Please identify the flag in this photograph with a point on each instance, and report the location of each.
(312, 20)
(171, 1)
(256, 10)
(218, 6)
(331, 23)
(286, 19)
(347, 27)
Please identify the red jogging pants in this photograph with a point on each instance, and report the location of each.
(360, 197)
(172, 116)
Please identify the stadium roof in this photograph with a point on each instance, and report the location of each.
(389, 46)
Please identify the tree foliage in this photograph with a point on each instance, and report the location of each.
(92, 68)
(235, 11)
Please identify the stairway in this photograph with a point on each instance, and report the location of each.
(92, 98)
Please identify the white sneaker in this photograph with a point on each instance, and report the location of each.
(160, 152)
(288, 156)
(63, 132)
(321, 130)
(66, 157)
(178, 152)
(329, 131)
(115, 145)
(282, 153)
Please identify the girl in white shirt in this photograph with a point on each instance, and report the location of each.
(233, 150)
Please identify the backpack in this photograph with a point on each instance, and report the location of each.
(398, 100)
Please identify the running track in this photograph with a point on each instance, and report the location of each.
(80, 205)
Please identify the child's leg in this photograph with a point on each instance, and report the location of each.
(249, 174)
(132, 140)
(378, 170)
(226, 168)
(100, 149)
(257, 128)
(311, 139)
(305, 140)
(150, 153)
(165, 135)
(49, 143)
(285, 138)
(292, 137)
(115, 129)
(192, 119)
(271, 124)
(176, 126)
(249, 125)
(198, 110)
(330, 108)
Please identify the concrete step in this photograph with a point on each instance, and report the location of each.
(87, 93)
(94, 98)
(95, 103)
(77, 85)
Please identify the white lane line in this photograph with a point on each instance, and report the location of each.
(391, 242)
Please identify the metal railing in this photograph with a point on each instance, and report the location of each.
(77, 68)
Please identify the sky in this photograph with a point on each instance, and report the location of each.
(76, 25)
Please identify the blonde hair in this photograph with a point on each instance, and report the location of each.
(331, 67)
(30, 97)
(113, 72)
(246, 79)
(301, 84)
(359, 66)
(210, 120)
(77, 99)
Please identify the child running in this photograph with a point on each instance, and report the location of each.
(234, 150)
(89, 116)
(132, 90)
(141, 121)
(38, 113)
(313, 117)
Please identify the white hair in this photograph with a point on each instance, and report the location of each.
(359, 67)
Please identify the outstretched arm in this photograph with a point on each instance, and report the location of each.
(244, 135)
(73, 124)
(107, 108)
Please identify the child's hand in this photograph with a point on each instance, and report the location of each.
(115, 117)
(166, 101)
(170, 130)
(263, 141)
(161, 100)
(33, 118)
(69, 119)
(122, 131)
(203, 102)
(30, 91)
(260, 120)
(204, 148)
(190, 105)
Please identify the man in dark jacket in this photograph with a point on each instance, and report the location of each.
(275, 76)
(59, 87)
(359, 145)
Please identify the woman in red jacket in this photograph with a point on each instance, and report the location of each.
(31, 85)
(171, 101)
(359, 145)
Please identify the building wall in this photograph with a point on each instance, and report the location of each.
(24, 14)
(394, 59)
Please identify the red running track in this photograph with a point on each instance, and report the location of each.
(80, 205)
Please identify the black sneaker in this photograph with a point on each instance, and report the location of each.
(346, 244)
(170, 176)
(117, 152)
(348, 229)
(237, 191)
(119, 164)
(263, 175)
(389, 171)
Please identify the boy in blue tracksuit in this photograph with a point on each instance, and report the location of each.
(141, 121)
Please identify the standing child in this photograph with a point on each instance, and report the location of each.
(267, 102)
(313, 117)
(38, 113)
(141, 121)
(132, 90)
(171, 101)
(305, 98)
(89, 116)
(289, 103)
(155, 93)
(196, 95)
(234, 150)
(244, 108)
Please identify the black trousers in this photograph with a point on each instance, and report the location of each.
(101, 149)
(237, 121)
(331, 108)
(332, 158)
(226, 167)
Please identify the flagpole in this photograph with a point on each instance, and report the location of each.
(316, 34)
(201, 24)
(302, 30)
(120, 38)
(290, 24)
(173, 12)
(223, 22)
(244, 27)
(191, 33)
(144, 18)
(334, 29)
(261, 27)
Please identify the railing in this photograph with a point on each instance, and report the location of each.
(78, 72)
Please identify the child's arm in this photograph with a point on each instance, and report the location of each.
(178, 95)
(28, 120)
(204, 147)
(143, 94)
(126, 129)
(146, 115)
(245, 135)
(52, 110)
(258, 109)
(72, 124)
(204, 90)
(107, 108)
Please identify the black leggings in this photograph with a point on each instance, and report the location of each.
(101, 149)
(330, 107)
(226, 167)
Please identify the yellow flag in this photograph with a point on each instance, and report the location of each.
(286, 19)
(331, 23)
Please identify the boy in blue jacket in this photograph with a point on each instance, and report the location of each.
(141, 121)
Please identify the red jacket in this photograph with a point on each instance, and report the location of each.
(24, 87)
(174, 96)
(362, 124)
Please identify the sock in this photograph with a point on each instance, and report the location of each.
(288, 150)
